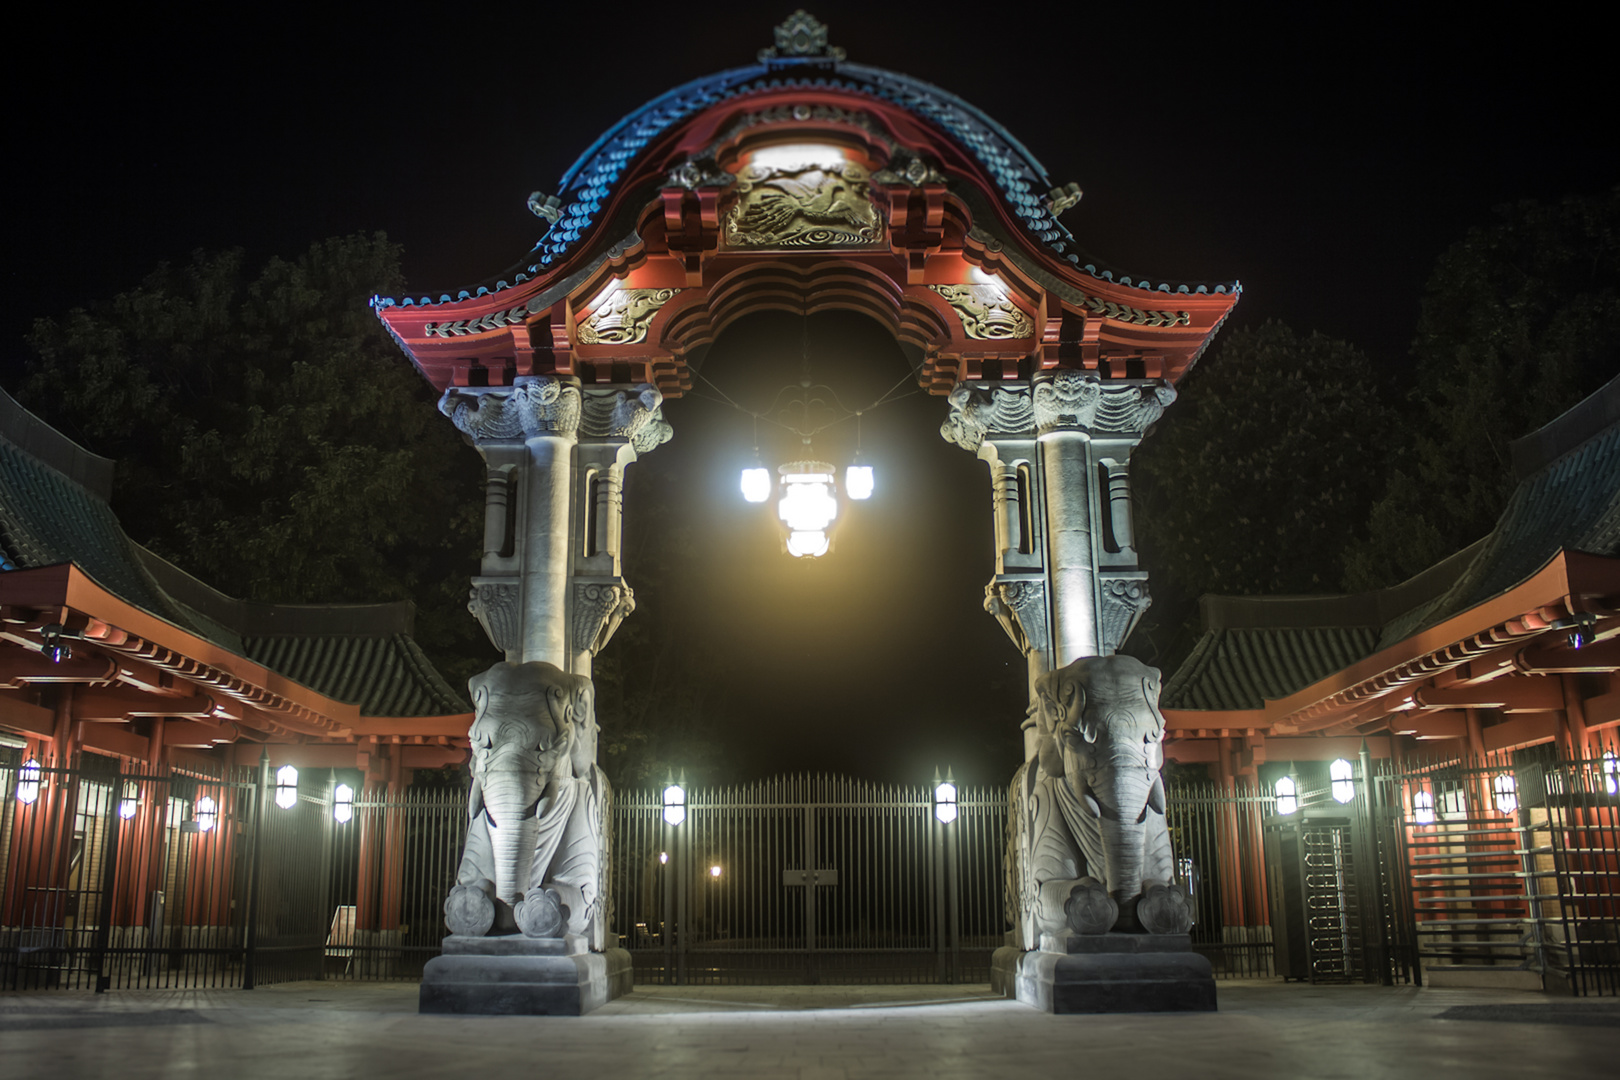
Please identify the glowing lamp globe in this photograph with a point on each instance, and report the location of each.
(807, 507)
(859, 482)
(756, 484)
(287, 787)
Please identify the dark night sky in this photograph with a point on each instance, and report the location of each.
(1323, 158)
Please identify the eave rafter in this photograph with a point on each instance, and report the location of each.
(128, 665)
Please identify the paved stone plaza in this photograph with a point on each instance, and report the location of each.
(315, 1030)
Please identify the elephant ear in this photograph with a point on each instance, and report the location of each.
(1150, 697)
(1074, 706)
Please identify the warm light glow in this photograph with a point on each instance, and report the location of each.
(207, 813)
(674, 804)
(129, 801)
(714, 871)
(343, 804)
(1423, 808)
(1507, 793)
(858, 481)
(287, 787)
(810, 545)
(756, 484)
(1286, 794)
(1344, 787)
(28, 781)
(791, 157)
(663, 858)
(945, 801)
(1611, 773)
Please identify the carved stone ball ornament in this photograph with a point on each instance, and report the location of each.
(624, 318)
(814, 205)
(986, 311)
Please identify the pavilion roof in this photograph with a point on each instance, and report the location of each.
(53, 511)
(1260, 649)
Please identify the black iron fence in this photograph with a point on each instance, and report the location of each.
(1496, 871)
(809, 879)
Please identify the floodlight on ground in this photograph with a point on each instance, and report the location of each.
(944, 797)
(207, 813)
(1506, 789)
(343, 804)
(1286, 795)
(674, 804)
(287, 787)
(130, 800)
(1423, 807)
(1342, 774)
(28, 781)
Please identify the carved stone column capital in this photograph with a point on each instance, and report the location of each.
(599, 608)
(635, 415)
(978, 413)
(1125, 598)
(1066, 400)
(535, 406)
(496, 604)
(1019, 605)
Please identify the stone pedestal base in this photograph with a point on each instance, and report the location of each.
(1106, 973)
(522, 976)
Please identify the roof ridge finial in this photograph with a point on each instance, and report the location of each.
(801, 37)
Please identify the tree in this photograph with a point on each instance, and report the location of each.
(1520, 320)
(270, 438)
(1258, 477)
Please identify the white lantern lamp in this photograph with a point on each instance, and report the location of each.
(287, 787)
(343, 804)
(1286, 794)
(28, 782)
(130, 800)
(1342, 773)
(945, 797)
(674, 803)
(207, 814)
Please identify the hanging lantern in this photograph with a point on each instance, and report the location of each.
(807, 507)
(756, 483)
(129, 801)
(287, 787)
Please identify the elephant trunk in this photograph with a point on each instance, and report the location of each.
(510, 796)
(1123, 830)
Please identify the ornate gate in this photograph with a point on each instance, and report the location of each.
(814, 879)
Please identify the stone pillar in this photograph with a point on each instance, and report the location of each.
(1067, 580)
(617, 427)
(526, 433)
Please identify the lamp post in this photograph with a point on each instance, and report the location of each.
(674, 815)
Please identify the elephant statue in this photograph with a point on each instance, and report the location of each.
(1091, 843)
(534, 853)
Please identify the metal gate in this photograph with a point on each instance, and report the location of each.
(121, 874)
(812, 879)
